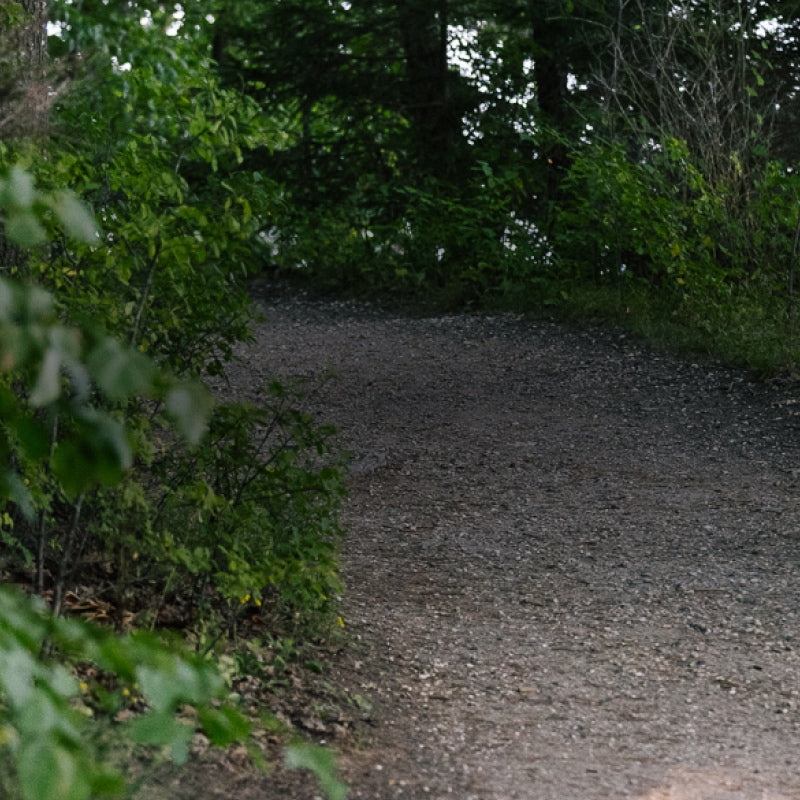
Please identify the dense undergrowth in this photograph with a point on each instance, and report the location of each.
(694, 264)
(131, 494)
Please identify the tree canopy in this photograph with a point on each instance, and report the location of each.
(446, 145)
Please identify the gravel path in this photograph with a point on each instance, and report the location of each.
(572, 563)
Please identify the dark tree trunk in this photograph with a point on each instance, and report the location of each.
(550, 73)
(427, 101)
(551, 94)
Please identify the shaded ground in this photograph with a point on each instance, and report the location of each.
(572, 565)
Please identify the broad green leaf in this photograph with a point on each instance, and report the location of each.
(120, 372)
(38, 303)
(180, 747)
(33, 437)
(49, 771)
(116, 655)
(43, 714)
(156, 728)
(322, 763)
(190, 406)
(23, 228)
(19, 187)
(160, 687)
(223, 725)
(25, 616)
(110, 442)
(168, 685)
(13, 488)
(159, 728)
(74, 468)
(17, 671)
(48, 383)
(62, 682)
(67, 343)
(77, 219)
(98, 455)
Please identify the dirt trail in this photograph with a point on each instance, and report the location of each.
(572, 565)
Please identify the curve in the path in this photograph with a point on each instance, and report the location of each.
(572, 564)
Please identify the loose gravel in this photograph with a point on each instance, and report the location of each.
(572, 562)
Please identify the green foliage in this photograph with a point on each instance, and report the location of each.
(179, 209)
(46, 713)
(247, 520)
(403, 174)
(650, 216)
(42, 714)
(322, 763)
(717, 261)
(44, 710)
(180, 213)
(63, 366)
(556, 165)
(78, 410)
(92, 468)
(23, 207)
(438, 244)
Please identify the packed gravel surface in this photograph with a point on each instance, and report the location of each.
(572, 562)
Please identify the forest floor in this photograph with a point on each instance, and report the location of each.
(572, 565)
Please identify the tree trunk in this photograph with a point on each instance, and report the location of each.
(24, 101)
(423, 27)
(550, 73)
(24, 98)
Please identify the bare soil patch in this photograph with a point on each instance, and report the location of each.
(572, 564)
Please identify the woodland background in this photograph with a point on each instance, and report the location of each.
(622, 161)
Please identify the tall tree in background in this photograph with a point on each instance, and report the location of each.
(551, 30)
(23, 64)
(368, 82)
(381, 125)
(427, 93)
(24, 88)
(420, 137)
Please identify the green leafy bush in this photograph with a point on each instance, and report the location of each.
(50, 371)
(180, 213)
(451, 245)
(648, 216)
(45, 710)
(718, 260)
(43, 715)
(246, 520)
(179, 210)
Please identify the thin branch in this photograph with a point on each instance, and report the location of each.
(66, 566)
